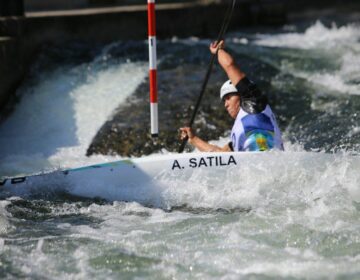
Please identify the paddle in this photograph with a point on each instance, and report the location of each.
(220, 37)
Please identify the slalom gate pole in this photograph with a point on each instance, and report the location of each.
(153, 69)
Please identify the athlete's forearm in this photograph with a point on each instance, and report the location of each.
(230, 67)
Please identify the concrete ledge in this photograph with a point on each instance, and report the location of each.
(111, 10)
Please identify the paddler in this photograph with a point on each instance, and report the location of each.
(255, 127)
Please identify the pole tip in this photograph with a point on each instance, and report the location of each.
(154, 135)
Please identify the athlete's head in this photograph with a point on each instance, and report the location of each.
(227, 88)
(231, 98)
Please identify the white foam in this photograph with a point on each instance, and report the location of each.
(56, 119)
(311, 180)
(316, 36)
(5, 226)
(264, 241)
(301, 210)
(340, 45)
(328, 82)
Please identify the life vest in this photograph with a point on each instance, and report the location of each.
(256, 132)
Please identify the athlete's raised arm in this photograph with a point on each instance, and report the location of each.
(227, 62)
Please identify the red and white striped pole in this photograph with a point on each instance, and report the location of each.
(152, 69)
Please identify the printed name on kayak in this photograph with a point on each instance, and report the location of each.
(206, 162)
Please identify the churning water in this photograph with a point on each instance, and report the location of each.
(298, 218)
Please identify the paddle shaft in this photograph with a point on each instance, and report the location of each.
(184, 141)
(223, 29)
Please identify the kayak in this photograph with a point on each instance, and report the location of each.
(131, 178)
(127, 172)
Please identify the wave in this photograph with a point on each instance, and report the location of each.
(316, 36)
(62, 110)
(334, 51)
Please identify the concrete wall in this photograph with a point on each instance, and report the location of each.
(46, 5)
(11, 8)
(131, 22)
(11, 67)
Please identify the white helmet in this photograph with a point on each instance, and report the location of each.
(227, 88)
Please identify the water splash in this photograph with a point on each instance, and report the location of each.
(61, 112)
(316, 36)
(338, 45)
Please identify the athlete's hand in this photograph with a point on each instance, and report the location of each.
(215, 46)
(186, 132)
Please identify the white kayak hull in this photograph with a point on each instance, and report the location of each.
(131, 179)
